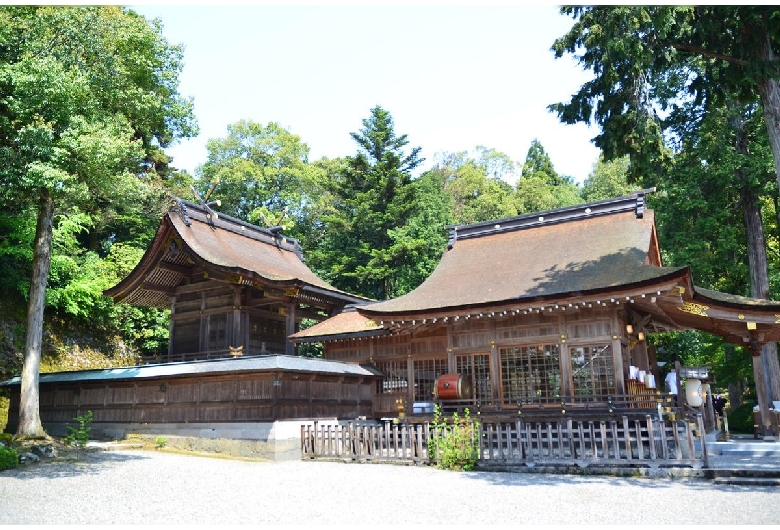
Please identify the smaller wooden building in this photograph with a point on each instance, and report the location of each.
(233, 288)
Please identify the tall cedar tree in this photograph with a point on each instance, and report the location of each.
(667, 59)
(374, 196)
(87, 96)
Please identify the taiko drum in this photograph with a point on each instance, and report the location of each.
(453, 386)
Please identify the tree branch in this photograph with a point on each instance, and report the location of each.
(707, 53)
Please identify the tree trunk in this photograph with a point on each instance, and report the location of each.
(29, 411)
(766, 372)
(759, 288)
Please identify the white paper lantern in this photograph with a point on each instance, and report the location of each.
(693, 392)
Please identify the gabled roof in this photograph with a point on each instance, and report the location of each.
(584, 249)
(191, 236)
(589, 254)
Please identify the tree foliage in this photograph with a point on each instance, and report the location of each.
(373, 195)
(87, 97)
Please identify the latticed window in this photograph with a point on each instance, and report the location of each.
(530, 373)
(478, 368)
(217, 337)
(425, 374)
(396, 376)
(593, 370)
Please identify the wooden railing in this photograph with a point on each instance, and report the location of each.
(618, 441)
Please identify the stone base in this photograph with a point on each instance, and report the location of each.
(280, 440)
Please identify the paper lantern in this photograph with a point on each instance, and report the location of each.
(693, 392)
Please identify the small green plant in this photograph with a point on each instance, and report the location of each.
(160, 442)
(454, 444)
(9, 458)
(79, 436)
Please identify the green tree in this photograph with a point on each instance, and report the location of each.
(87, 96)
(264, 176)
(663, 69)
(607, 180)
(541, 187)
(476, 191)
(418, 245)
(373, 197)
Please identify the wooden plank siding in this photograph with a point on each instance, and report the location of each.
(479, 343)
(619, 441)
(253, 397)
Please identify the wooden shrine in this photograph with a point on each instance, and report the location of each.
(543, 313)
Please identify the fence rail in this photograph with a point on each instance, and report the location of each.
(616, 441)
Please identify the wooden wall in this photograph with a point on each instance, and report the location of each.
(476, 343)
(240, 397)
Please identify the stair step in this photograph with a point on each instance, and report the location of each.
(747, 481)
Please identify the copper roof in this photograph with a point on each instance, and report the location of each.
(541, 260)
(188, 238)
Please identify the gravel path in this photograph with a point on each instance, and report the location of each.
(148, 487)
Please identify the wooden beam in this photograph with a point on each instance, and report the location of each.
(200, 286)
(173, 267)
(166, 289)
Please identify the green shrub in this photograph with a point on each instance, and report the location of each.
(6, 438)
(741, 418)
(9, 458)
(455, 444)
(79, 436)
(160, 442)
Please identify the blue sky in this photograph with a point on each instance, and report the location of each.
(452, 77)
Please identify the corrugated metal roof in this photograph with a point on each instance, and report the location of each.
(241, 364)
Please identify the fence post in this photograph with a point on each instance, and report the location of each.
(703, 436)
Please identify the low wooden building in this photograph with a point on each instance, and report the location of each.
(541, 312)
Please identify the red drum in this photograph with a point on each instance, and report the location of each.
(453, 386)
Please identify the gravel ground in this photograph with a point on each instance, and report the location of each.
(150, 487)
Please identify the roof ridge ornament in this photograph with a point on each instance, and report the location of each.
(211, 215)
(177, 205)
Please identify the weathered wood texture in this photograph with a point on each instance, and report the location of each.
(256, 397)
(620, 441)
(581, 355)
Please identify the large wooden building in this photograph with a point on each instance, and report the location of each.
(543, 311)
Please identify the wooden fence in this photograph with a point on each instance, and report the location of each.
(620, 441)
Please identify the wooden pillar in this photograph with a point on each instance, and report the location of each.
(564, 360)
(171, 328)
(236, 339)
(451, 365)
(203, 329)
(617, 359)
(289, 345)
(495, 367)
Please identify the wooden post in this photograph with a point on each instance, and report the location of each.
(289, 346)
